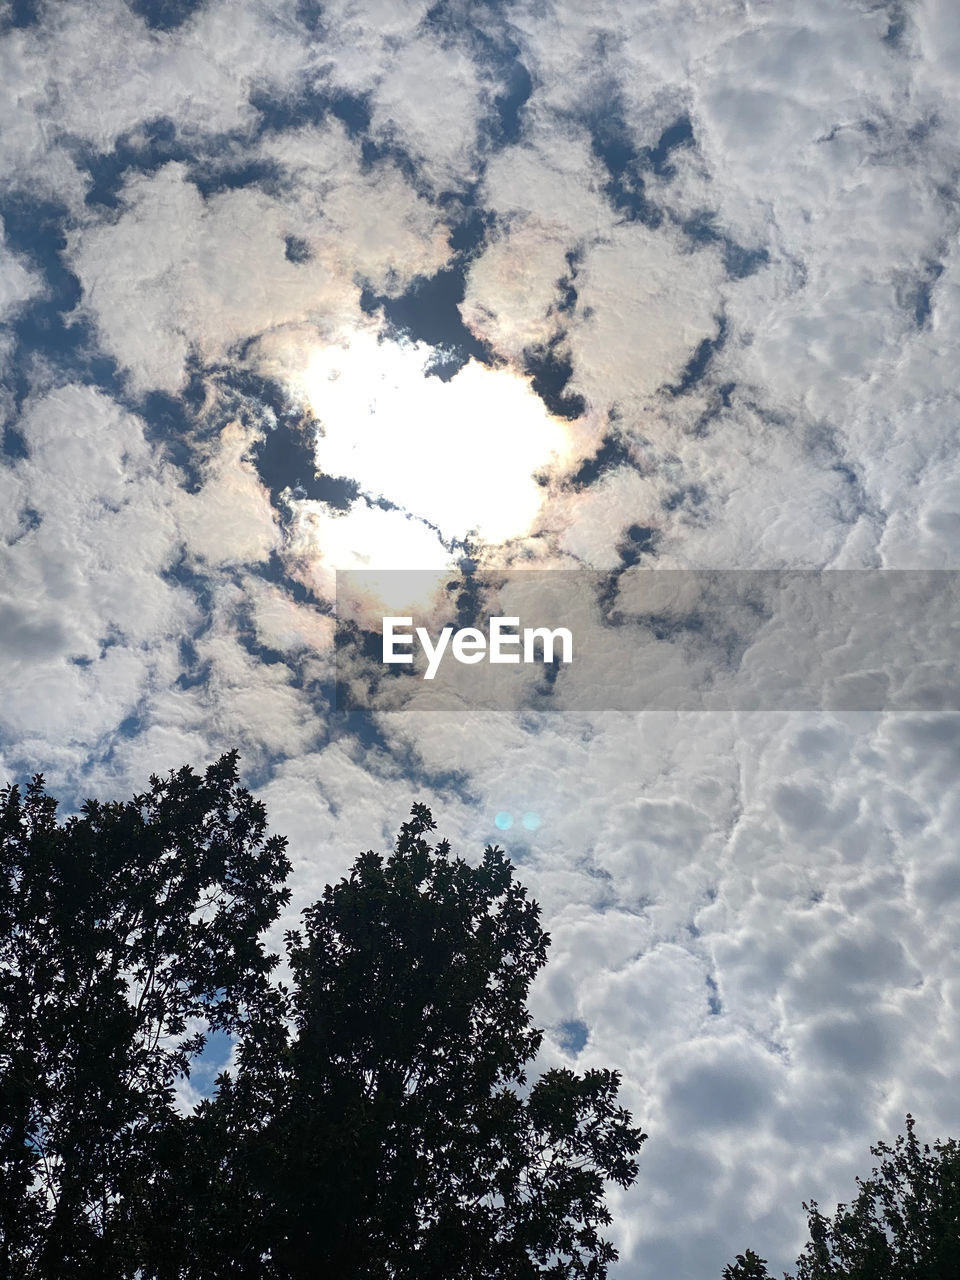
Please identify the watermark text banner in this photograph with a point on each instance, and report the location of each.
(649, 639)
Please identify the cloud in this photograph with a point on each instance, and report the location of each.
(229, 520)
(17, 284)
(92, 622)
(720, 1086)
(176, 276)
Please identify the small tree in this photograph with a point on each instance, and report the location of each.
(388, 1131)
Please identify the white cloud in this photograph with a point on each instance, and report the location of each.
(17, 283)
(90, 625)
(229, 521)
(176, 275)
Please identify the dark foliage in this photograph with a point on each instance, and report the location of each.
(125, 934)
(903, 1225)
(380, 1125)
(378, 1122)
(748, 1266)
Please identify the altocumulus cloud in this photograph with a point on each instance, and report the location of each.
(719, 245)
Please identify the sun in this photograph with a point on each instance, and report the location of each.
(462, 457)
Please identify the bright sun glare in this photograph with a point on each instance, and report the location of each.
(461, 455)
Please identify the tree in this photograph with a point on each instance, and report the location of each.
(126, 934)
(747, 1266)
(380, 1125)
(903, 1225)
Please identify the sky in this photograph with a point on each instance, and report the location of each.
(608, 287)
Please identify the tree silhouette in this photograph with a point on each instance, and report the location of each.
(380, 1124)
(377, 1122)
(125, 935)
(747, 1266)
(903, 1225)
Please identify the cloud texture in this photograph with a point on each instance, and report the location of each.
(715, 245)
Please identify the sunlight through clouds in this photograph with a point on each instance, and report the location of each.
(463, 455)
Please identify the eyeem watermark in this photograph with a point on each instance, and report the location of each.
(648, 639)
(470, 645)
